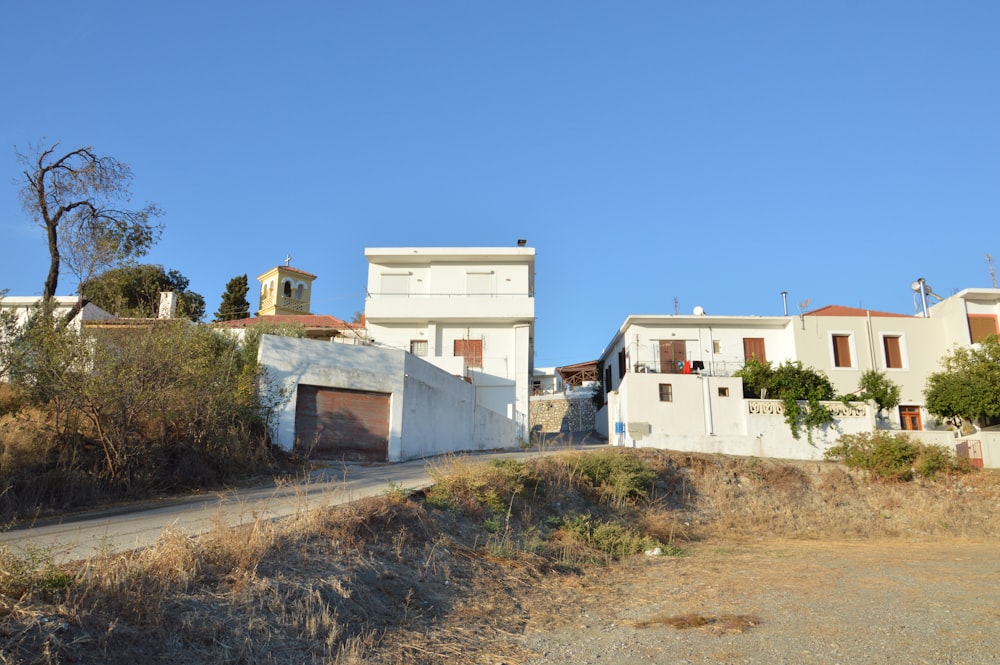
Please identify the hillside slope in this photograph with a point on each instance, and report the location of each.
(511, 562)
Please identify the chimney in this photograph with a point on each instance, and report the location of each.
(168, 305)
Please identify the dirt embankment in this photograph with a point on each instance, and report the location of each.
(524, 564)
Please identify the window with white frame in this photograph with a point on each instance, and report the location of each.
(894, 351)
(394, 284)
(478, 283)
(842, 345)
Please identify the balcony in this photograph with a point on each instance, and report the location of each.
(439, 307)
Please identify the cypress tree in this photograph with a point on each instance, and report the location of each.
(234, 301)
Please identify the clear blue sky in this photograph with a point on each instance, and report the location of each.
(714, 152)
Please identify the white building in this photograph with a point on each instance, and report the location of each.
(669, 379)
(371, 404)
(25, 306)
(467, 310)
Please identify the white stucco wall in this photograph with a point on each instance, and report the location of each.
(741, 427)
(431, 411)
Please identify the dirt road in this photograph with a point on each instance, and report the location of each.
(794, 602)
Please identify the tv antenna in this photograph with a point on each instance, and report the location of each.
(993, 275)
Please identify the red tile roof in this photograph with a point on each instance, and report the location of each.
(307, 320)
(840, 310)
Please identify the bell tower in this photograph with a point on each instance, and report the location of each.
(285, 290)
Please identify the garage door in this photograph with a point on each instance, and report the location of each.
(351, 425)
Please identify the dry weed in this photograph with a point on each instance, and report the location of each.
(721, 623)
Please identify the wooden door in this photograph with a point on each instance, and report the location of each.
(673, 353)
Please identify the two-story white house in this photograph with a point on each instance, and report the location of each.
(669, 381)
(467, 310)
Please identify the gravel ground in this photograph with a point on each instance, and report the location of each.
(794, 602)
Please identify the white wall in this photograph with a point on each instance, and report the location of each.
(700, 420)
(431, 411)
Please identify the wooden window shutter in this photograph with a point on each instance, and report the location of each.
(471, 350)
(893, 355)
(841, 351)
(753, 347)
(982, 326)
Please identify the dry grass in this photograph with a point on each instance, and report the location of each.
(439, 578)
(722, 623)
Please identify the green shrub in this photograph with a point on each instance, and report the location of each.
(611, 538)
(33, 569)
(890, 456)
(615, 476)
(473, 487)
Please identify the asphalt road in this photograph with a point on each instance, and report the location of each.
(120, 529)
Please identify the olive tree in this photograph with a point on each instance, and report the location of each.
(969, 386)
(880, 389)
(81, 200)
(135, 291)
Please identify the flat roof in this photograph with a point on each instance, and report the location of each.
(423, 254)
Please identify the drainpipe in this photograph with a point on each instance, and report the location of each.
(709, 419)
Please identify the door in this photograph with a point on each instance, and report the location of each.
(350, 425)
(673, 353)
(909, 417)
(972, 450)
(753, 347)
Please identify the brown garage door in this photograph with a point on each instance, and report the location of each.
(331, 423)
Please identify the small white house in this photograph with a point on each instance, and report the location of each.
(25, 306)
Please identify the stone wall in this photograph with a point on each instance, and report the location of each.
(559, 413)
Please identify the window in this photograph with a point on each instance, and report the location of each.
(299, 290)
(893, 352)
(716, 346)
(842, 351)
(982, 326)
(418, 347)
(724, 391)
(478, 283)
(753, 347)
(909, 417)
(471, 350)
(621, 363)
(288, 289)
(607, 379)
(395, 284)
(666, 392)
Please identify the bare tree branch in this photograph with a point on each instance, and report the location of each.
(77, 199)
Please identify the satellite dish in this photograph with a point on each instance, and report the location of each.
(699, 311)
(915, 286)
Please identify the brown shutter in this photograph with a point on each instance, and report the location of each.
(471, 350)
(841, 351)
(893, 356)
(982, 326)
(753, 347)
(673, 353)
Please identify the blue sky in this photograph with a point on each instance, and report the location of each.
(713, 152)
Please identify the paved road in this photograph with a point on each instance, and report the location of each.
(82, 536)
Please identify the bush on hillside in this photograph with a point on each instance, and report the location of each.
(890, 456)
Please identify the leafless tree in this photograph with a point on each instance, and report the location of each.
(80, 199)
